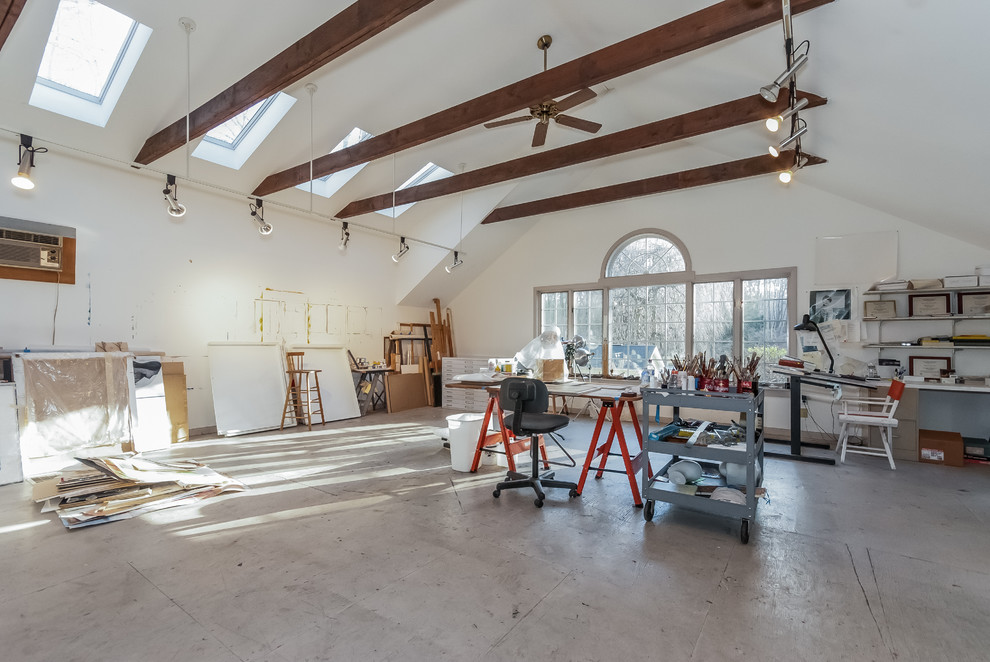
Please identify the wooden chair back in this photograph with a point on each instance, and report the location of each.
(294, 360)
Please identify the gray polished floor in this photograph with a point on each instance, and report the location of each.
(357, 541)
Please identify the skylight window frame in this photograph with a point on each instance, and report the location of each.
(249, 139)
(328, 185)
(99, 100)
(422, 176)
(265, 105)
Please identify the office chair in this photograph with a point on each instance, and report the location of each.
(527, 401)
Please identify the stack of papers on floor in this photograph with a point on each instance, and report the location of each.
(123, 486)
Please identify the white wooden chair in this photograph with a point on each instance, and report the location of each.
(881, 416)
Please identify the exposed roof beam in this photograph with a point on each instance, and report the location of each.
(689, 33)
(722, 172)
(10, 10)
(695, 123)
(351, 27)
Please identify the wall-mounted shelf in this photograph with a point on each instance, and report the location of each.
(897, 345)
(934, 290)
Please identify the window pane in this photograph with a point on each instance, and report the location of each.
(645, 322)
(713, 318)
(553, 312)
(646, 254)
(588, 325)
(765, 320)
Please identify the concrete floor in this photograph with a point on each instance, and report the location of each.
(357, 541)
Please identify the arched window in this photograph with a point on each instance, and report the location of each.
(645, 254)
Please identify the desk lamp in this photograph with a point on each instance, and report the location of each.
(807, 325)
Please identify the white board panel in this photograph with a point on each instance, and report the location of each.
(855, 259)
(248, 381)
(336, 382)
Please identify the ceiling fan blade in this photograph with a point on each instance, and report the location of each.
(540, 135)
(579, 97)
(578, 123)
(514, 120)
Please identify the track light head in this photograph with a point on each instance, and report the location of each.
(175, 209)
(774, 123)
(802, 129)
(345, 236)
(25, 161)
(772, 91)
(258, 214)
(403, 249)
(456, 263)
(785, 176)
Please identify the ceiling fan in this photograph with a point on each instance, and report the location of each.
(552, 110)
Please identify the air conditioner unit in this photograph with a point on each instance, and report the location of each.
(30, 250)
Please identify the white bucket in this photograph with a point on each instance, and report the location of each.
(463, 439)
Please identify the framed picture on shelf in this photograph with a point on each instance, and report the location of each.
(827, 305)
(974, 303)
(881, 310)
(928, 305)
(929, 367)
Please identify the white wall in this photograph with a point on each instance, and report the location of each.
(750, 224)
(176, 285)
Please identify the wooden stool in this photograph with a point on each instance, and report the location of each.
(299, 396)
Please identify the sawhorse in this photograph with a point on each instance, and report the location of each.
(633, 465)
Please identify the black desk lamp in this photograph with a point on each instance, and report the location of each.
(807, 325)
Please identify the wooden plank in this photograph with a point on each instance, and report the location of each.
(404, 391)
(450, 334)
(10, 11)
(353, 26)
(705, 27)
(695, 123)
(723, 172)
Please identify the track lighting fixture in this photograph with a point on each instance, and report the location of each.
(345, 236)
(175, 209)
(403, 249)
(770, 92)
(774, 123)
(258, 214)
(25, 161)
(802, 129)
(456, 263)
(800, 160)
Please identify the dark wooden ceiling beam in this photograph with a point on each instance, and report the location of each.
(10, 10)
(351, 27)
(705, 27)
(722, 172)
(695, 123)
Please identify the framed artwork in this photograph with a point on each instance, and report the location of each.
(827, 305)
(881, 310)
(928, 305)
(929, 367)
(974, 303)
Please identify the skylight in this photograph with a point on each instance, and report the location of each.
(233, 142)
(431, 172)
(327, 186)
(90, 54)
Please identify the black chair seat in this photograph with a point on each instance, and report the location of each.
(537, 423)
(524, 403)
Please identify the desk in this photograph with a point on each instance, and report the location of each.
(613, 400)
(370, 380)
(822, 380)
(958, 408)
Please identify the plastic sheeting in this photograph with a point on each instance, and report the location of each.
(74, 401)
(547, 345)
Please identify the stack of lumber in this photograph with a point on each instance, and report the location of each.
(441, 331)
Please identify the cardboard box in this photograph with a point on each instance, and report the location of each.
(550, 370)
(940, 447)
(961, 281)
(176, 404)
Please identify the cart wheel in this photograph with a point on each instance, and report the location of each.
(538, 502)
(496, 493)
(744, 532)
(573, 493)
(648, 510)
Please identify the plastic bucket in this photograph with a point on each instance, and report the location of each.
(463, 439)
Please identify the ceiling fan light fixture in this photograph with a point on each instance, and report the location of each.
(174, 208)
(774, 123)
(403, 249)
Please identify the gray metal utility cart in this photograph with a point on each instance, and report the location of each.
(655, 488)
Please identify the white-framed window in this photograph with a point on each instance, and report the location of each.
(654, 306)
(431, 172)
(327, 186)
(90, 54)
(553, 311)
(232, 143)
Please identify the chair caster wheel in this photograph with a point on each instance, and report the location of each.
(573, 493)
(539, 503)
(496, 493)
(744, 532)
